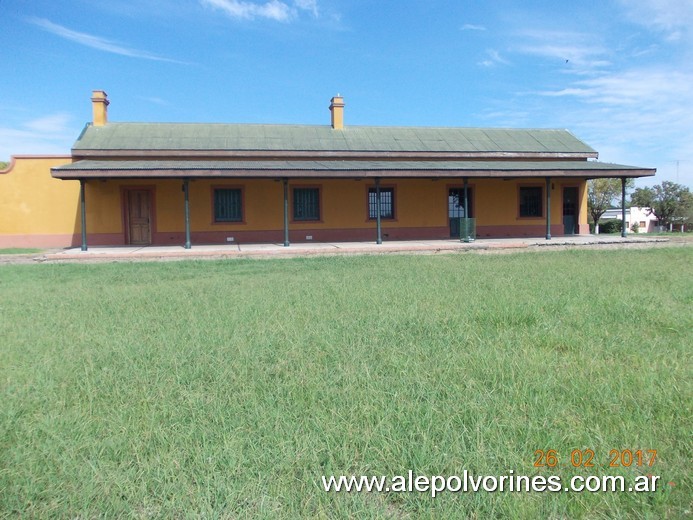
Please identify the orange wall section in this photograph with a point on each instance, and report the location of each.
(263, 206)
(419, 203)
(343, 204)
(37, 210)
(103, 207)
(41, 211)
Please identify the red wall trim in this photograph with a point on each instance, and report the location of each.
(277, 236)
(39, 241)
(519, 231)
(61, 240)
(350, 235)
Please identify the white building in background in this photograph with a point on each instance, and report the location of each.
(645, 220)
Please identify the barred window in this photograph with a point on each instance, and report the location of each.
(228, 205)
(387, 203)
(531, 201)
(306, 204)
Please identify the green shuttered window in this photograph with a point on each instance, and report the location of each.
(228, 205)
(306, 204)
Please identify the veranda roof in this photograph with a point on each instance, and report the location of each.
(103, 169)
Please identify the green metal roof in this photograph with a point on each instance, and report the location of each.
(341, 169)
(297, 138)
(196, 150)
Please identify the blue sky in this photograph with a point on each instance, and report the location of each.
(617, 73)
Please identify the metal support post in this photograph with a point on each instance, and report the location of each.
(548, 208)
(186, 191)
(624, 229)
(286, 212)
(83, 206)
(379, 239)
(466, 212)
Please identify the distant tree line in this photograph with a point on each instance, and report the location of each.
(672, 203)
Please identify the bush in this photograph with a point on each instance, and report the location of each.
(610, 226)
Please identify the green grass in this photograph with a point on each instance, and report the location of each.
(19, 250)
(226, 389)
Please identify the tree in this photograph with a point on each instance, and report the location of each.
(601, 195)
(687, 218)
(671, 202)
(3, 165)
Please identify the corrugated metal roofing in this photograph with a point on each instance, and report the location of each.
(336, 169)
(255, 137)
(344, 165)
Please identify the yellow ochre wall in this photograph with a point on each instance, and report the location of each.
(39, 211)
(496, 205)
(35, 209)
(420, 209)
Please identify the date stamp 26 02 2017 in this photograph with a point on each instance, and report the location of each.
(585, 458)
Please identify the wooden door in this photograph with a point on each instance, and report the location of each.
(139, 218)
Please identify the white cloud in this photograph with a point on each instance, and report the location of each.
(308, 5)
(674, 18)
(95, 42)
(50, 125)
(272, 9)
(578, 51)
(626, 94)
(472, 27)
(643, 88)
(493, 58)
(638, 102)
(155, 100)
(50, 134)
(640, 115)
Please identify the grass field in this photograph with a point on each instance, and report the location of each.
(226, 389)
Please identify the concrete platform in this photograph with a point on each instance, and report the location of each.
(212, 251)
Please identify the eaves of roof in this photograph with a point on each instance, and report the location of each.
(343, 169)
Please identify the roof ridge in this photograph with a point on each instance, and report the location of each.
(326, 126)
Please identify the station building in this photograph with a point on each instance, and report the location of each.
(200, 183)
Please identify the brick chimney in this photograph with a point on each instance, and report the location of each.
(337, 109)
(99, 104)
